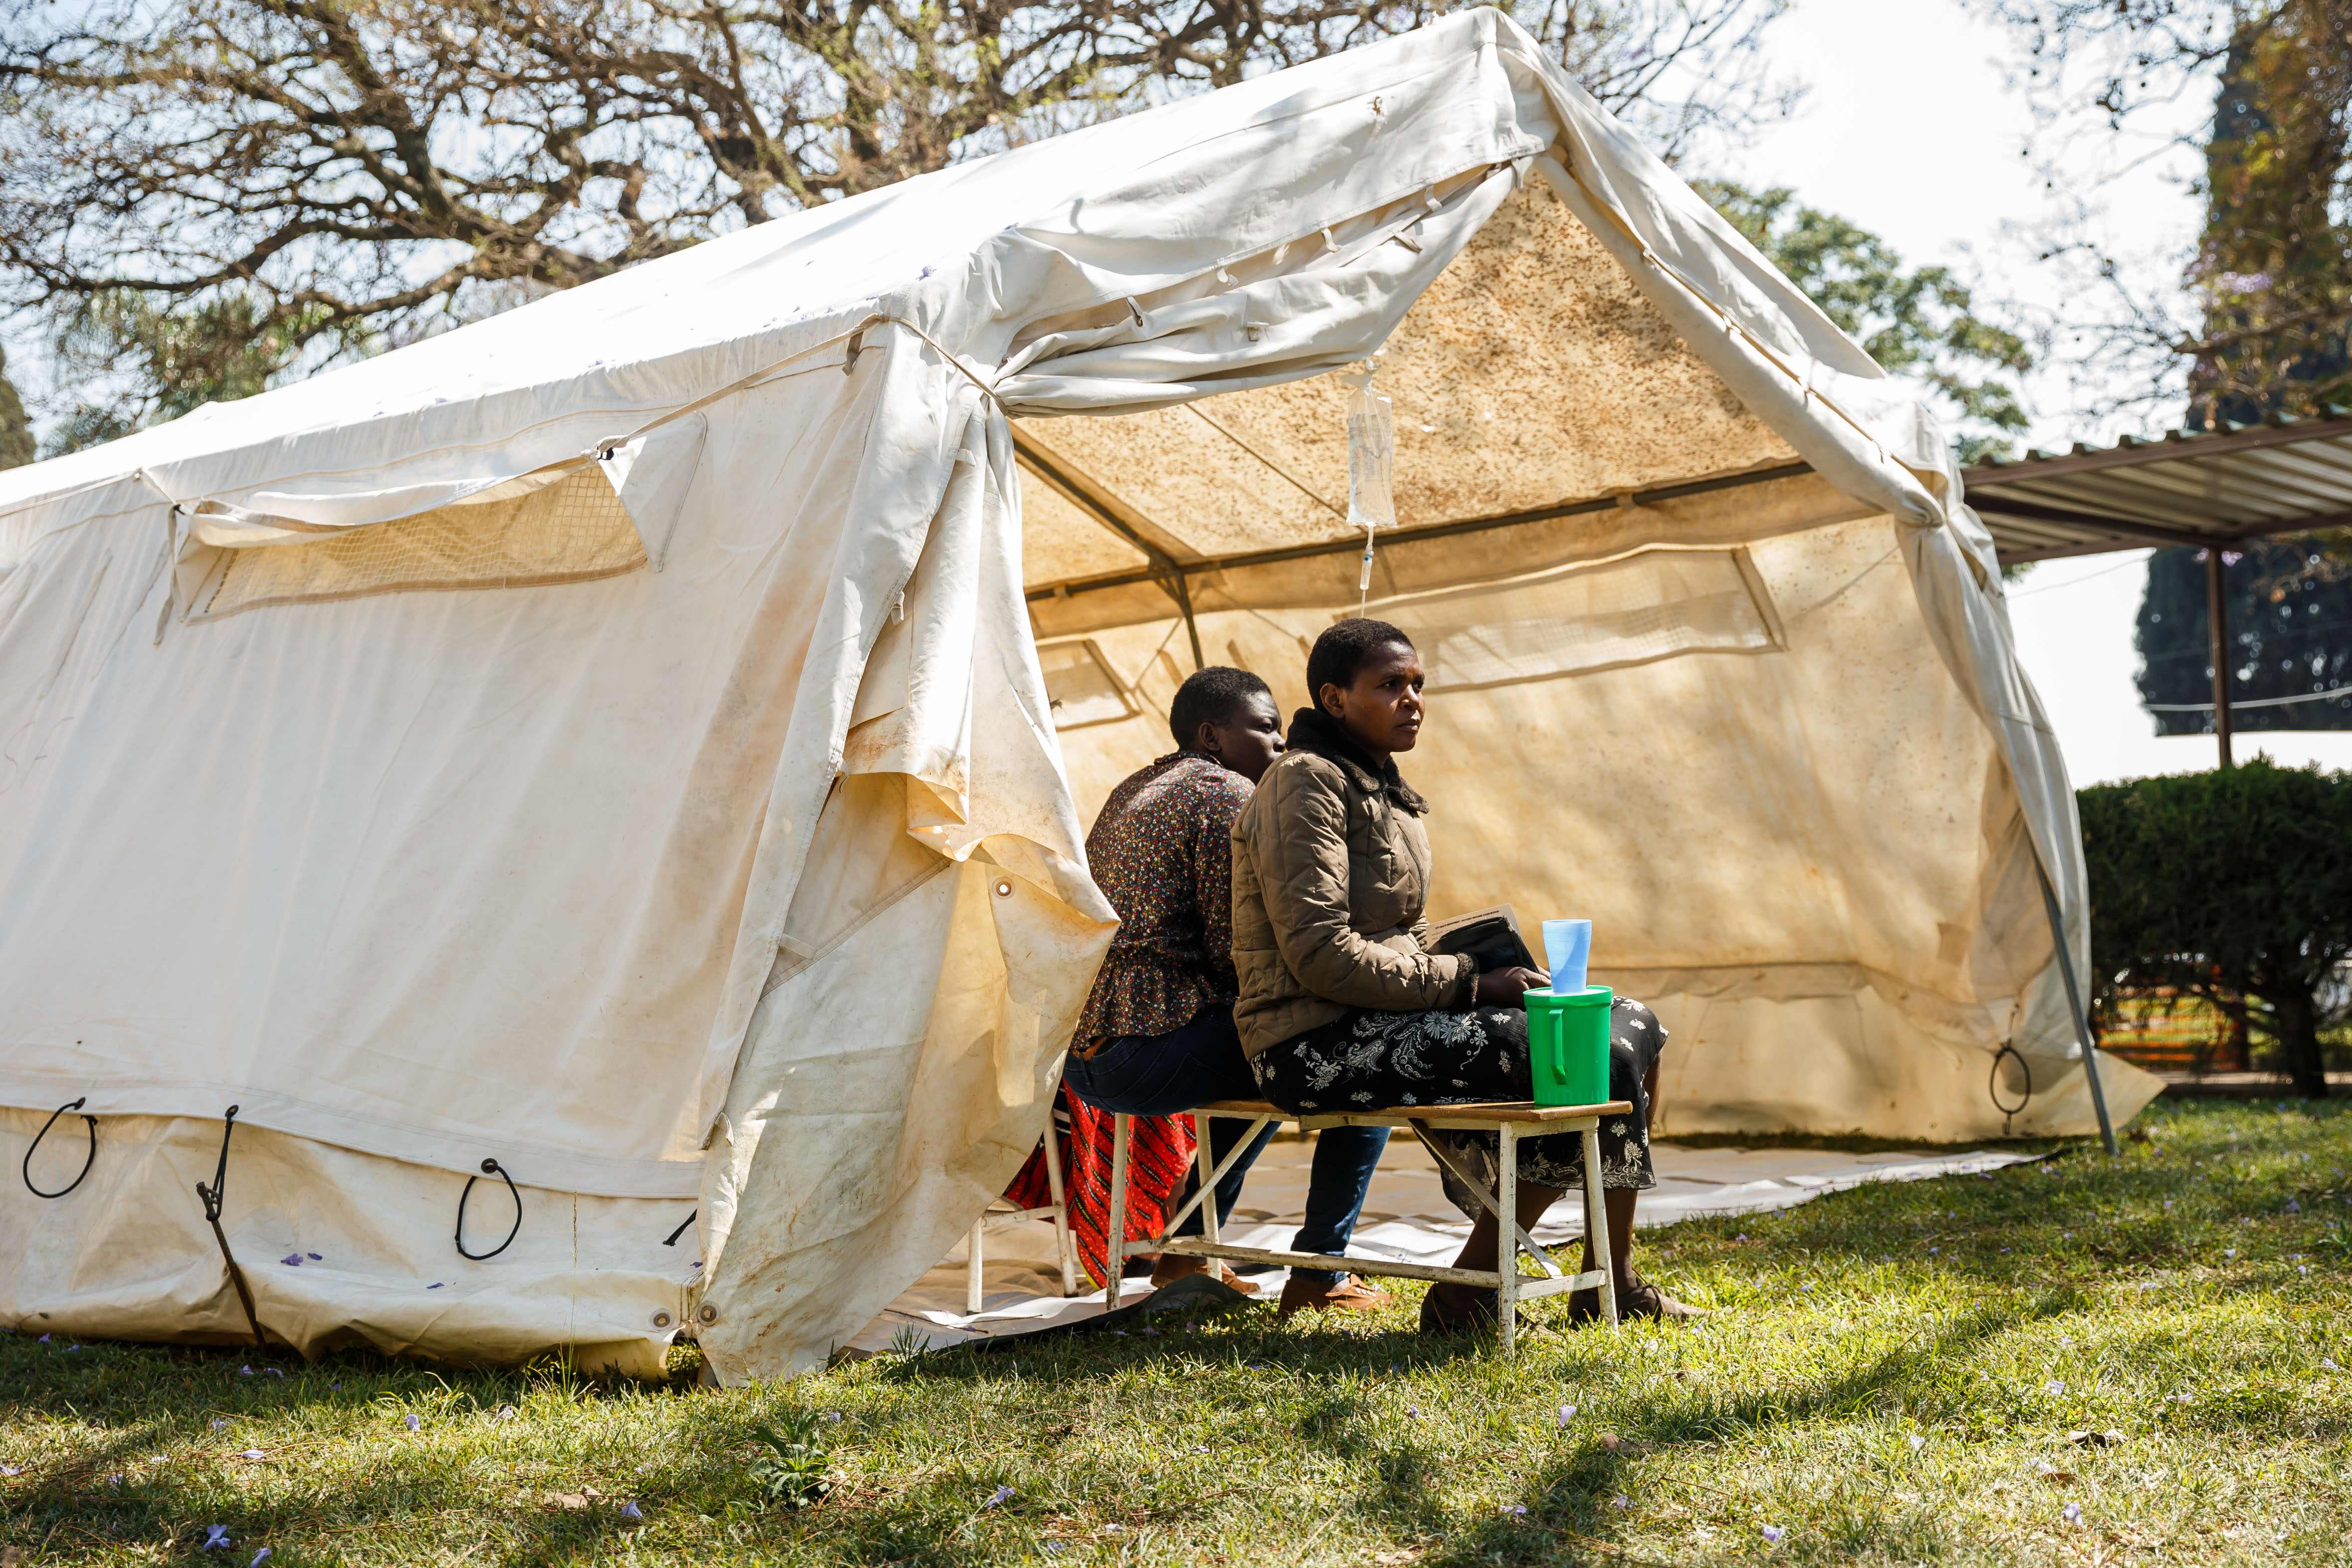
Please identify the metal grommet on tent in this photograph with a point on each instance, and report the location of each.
(88, 1159)
(489, 1168)
(1004, 889)
(661, 1319)
(708, 1314)
(1993, 1085)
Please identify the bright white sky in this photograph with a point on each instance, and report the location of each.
(1911, 129)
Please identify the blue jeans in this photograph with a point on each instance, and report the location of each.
(1161, 1075)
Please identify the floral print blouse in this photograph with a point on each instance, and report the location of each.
(1161, 851)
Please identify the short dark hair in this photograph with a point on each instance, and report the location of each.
(1344, 648)
(1210, 696)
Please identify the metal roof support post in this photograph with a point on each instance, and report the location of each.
(2217, 617)
(1182, 592)
(2074, 1005)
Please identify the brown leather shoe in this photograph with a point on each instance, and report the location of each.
(1350, 1294)
(1172, 1267)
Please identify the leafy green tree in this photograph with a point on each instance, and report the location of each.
(2234, 885)
(15, 430)
(1920, 322)
(2260, 322)
(2290, 622)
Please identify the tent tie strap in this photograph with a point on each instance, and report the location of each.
(672, 1241)
(211, 1197)
(87, 1161)
(489, 1168)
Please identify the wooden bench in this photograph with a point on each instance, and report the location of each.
(1509, 1120)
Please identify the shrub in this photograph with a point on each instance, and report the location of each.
(2234, 885)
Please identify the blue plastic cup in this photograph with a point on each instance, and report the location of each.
(1567, 945)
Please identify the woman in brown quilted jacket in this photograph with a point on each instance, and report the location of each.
(1342, 1005)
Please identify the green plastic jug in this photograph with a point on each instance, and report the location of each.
(1567, 1044)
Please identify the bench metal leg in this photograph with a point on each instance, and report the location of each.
(1116, 1230)
(972, 1286)
(1596, 1225)
(1506, 1237)
(1066, 1251)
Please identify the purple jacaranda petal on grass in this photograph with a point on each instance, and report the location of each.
(259, 1558)
(631, 1511)
(1567, 1413)
(70, 1349)
(410, 1421)
(215, 1536)
(2071, 1513)
(245, 1371)
(1917, 1442)
(219, 1425)
(10, 1470)
(250, 1454)
(1515, 1510)
(42, 1340)
(2053, 1388)
(2327, 1363)
(1001, 1494)
(1620, 1503)
(1772, 1533)
(2293, 1206)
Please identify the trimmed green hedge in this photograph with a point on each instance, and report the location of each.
(2235, 886)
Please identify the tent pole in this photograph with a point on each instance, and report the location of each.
(2217, 618)
(1182, 592)
(2074, 1005)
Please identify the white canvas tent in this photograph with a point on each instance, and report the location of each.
(612, 739)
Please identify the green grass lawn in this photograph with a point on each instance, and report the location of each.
(1893, 1376)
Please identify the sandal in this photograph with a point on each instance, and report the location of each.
(1484, 1311)
(1174, 1267)
(1639, 1300)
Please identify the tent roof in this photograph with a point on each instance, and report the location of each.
(1531, 382)
(2194, 488)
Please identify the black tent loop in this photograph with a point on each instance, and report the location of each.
(1992, 1085)
(489, 1168)
(87, 1161)
(681, 1230)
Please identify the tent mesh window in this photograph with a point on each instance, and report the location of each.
(1080, 685)
(1651, 605)
(572, 530)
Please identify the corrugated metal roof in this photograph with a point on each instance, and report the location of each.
(2187, 487)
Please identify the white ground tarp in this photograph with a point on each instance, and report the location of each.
(608, 739)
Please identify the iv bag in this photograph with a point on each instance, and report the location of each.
(1372, 460)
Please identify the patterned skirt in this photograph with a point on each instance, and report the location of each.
(1388, 1059)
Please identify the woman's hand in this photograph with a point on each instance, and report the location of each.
(1504, 987)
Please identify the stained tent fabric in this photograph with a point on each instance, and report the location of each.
(643, 739)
